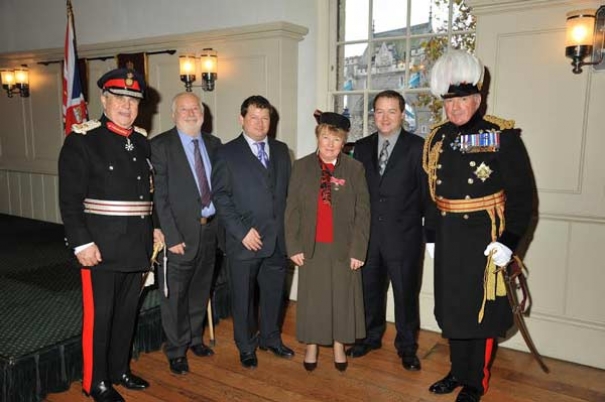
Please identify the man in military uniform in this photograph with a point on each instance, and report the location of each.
(480, 179)
(105, 200)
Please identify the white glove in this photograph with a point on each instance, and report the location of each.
(430, 248)
(501, 255)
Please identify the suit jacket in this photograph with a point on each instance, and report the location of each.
(399, 197)
(177, 199)
(350, 208)
(248, 195)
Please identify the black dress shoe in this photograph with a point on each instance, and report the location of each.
(310, 366)
(361, 349)
(179, 365)
(131, 381)
(248, 360)
(469, 394)
(280, 350)
(446, 385)
(104, 392)
(202, 350)
(410, 362)
(341, 366)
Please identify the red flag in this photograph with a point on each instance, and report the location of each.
(74, 105)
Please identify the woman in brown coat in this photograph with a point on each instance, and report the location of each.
(327, 229)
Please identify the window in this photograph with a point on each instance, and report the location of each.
(392, 44)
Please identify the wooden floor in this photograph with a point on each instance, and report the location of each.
(375, 377)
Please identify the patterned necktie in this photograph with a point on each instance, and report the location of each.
(261, 154)
(383, 158)
(200, 172)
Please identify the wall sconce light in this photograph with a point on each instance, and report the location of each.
(209, 59)
(585, 37)
(16, 81)
(209, 67)
(187, 70)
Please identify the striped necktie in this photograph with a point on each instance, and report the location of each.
(261, 154)
(200, 172)
(383, 158)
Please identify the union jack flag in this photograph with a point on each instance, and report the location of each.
(74, 105)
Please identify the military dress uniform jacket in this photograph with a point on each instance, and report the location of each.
(459, 168)
(95, 164)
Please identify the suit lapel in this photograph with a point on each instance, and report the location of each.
(250, 158)
(374, 152)
(180, 159)
(398, 153)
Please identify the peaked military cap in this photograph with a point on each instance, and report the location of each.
(123, 81)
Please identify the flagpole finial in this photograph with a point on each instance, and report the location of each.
(69, 7)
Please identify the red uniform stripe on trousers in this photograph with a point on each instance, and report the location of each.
(88, 323)
(489, 348)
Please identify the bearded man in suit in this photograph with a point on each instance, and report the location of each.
(182, 159)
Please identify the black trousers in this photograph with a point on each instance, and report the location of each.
(184, 310)
(404, 277)
(472, 361)
(110, 306)
(268, 275)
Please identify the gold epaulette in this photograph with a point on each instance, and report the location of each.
(85, 127)
(427, 143)
(503, 124)
(141, 131)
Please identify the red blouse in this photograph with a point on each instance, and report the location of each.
(324, 229)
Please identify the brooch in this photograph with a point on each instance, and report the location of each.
(337, 182)
(483, 172)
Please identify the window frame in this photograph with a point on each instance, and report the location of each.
(367, 93)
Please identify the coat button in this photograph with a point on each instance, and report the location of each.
(140, 197)
(438, 182)
(465, 216)
(467, 197)
(138, 177)
(439, 166)
(110, 167)
(472, 163)
(443, 213)
(471, 181)
(134, 159)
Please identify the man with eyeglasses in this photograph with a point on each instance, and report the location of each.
(105, 200)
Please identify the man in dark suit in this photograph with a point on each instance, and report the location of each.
(182, 159)
(250, 181)
(392, 158)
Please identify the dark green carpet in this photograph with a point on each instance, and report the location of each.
(41, 311)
